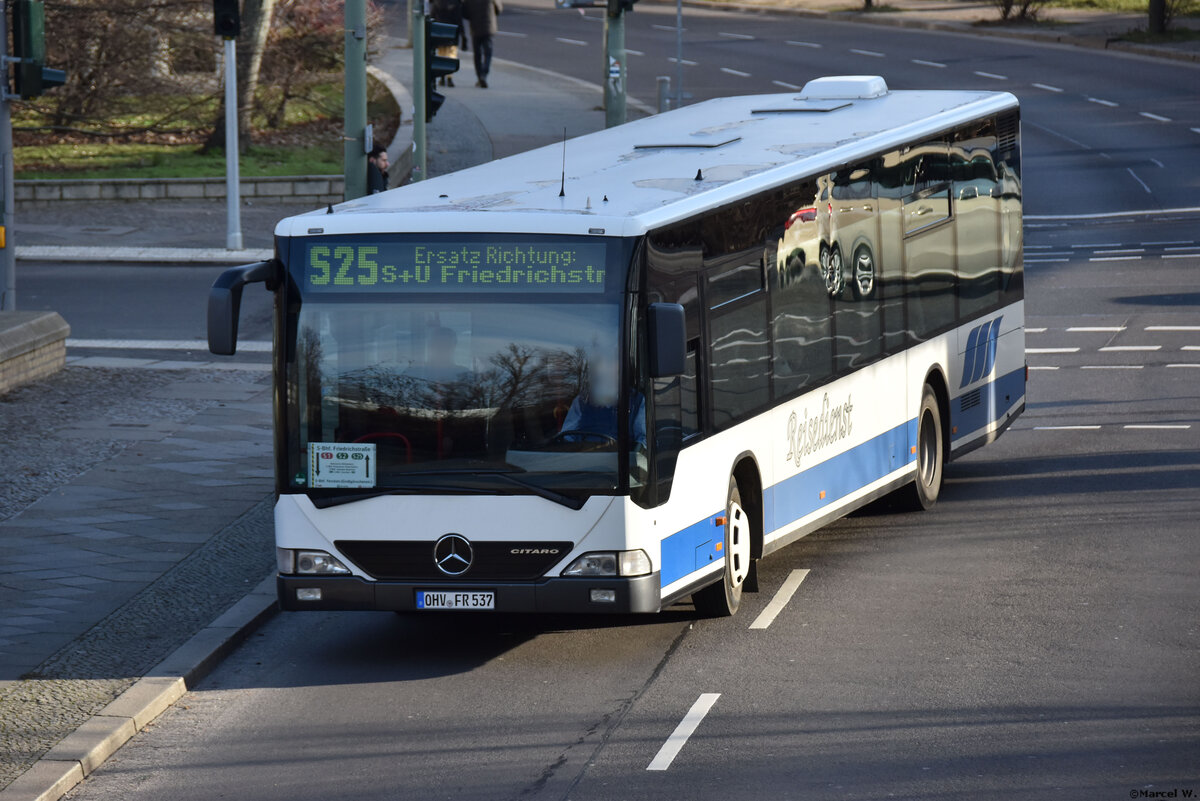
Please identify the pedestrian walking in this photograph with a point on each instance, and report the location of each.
(481, 14)
(377, 167)
(450, 12)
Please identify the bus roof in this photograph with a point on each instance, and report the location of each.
(628, 180)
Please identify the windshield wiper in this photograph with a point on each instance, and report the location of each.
(573, 502)
(570, 501)
(324, 502)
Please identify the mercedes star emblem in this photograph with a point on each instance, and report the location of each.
(453, 555)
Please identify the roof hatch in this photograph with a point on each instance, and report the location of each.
(708, 143)
(844, 87)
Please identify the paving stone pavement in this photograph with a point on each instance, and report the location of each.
(119, 563)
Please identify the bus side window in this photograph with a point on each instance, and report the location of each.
(930, 268)
(671, 277)
(801, 319)
(858, 322)
(976, 218)
(737, 324)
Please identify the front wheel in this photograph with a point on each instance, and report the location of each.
(723, 598)
(923, 493)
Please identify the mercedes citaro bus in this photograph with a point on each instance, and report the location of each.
(609, 387)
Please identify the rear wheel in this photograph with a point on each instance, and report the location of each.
(923, 493)
(723, 598)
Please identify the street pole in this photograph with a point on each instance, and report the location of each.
(233, 181)
(420, 90)
(8, 266)
(614, 79)
(678, 53)
(354, 159)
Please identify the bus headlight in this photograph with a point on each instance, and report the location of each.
(319, 563)
(610, 563)
(602, 563)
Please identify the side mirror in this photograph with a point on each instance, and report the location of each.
(225, 303)
(667, 339)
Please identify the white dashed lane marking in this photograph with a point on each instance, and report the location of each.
(575, 42)
(1156, 427)
(1106, 103)
(686, 728)
(1047, 88)
(738, 73)
(868, 53)
(1155, 117)
(743, 36)
(803, 44)
(934, 64)
(1129, 348)
(777, 604)
(991, 75)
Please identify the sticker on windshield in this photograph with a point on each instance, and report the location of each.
(340, 464)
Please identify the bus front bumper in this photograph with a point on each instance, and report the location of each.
(553, 595)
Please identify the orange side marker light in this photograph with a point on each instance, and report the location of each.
(719, 521)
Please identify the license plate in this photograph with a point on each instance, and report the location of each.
(439, 599)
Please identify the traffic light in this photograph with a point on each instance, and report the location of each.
(227, 21)
(438, 34)
(29, 48)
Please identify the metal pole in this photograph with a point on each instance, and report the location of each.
(233, 180)
(420, 92)
(354, 160)
(678, 53)
(664, 92)
(614, 81)
(8, 266)
(409, 13)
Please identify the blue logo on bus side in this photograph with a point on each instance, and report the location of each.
(980, 357)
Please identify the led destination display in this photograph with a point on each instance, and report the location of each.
(455, 267)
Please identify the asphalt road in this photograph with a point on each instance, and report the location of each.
(1034, 636)
(1102, 132)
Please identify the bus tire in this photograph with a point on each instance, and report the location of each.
(923, 492)
(723, 598)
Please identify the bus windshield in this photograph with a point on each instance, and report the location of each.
(448, 379)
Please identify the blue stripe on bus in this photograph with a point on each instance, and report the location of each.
(994, 399)
(694, 547)
(833, 479)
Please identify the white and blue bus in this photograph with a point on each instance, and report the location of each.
(612, 387)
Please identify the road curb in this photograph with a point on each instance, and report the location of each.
(83, 751)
